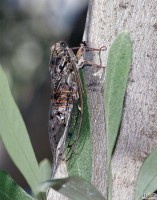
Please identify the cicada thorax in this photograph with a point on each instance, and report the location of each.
(64, 97)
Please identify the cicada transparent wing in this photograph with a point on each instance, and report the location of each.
(73, 132)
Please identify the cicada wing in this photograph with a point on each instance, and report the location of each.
(57, 137)
(73, 140)
(73, 144)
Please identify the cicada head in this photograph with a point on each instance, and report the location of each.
(58, 47)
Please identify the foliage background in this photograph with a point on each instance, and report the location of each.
(27, 30)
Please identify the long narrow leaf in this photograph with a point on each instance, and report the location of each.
(147, 178)
(81, 162)
(45, 169)
(119, 64)
(9, 190)
(14, 135)
(74, 187)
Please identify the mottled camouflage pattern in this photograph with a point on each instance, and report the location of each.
(66, 90)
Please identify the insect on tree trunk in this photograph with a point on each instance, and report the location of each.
(105, 20)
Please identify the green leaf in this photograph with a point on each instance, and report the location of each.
(81, 161)
(45, 170)
(75, 188)
(10, 190)
(45, 174)
(147, 178)
(14, 135)
(119, 64)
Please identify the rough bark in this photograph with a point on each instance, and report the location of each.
(106, 19)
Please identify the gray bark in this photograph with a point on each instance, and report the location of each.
(106, 19)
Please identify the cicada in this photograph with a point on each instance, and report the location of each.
(66, 92)
(66, 96)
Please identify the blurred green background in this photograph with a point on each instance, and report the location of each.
(27, 31)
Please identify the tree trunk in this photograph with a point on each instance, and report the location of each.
(105, 20)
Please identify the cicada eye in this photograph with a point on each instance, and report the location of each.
(63, 44)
